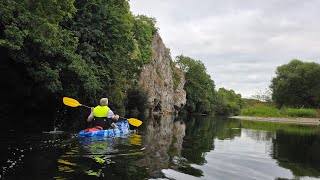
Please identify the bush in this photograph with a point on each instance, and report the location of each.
(291, 112)
(263, 111)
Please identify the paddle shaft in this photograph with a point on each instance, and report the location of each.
(86, 106)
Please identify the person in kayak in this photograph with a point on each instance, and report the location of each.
(102, 115)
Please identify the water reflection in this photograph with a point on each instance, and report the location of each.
(221, 148)
(225, 129)
(197, 142)
(294, 147)
(300, 154)
(162, 141)
(200, 147)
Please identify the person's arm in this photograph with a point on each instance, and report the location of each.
(112, 115)
(90, 117)
(116, 117)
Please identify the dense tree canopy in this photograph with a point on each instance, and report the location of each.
(144, 29)
(229, 102)
(31, 32)
(105, 33)
(82, 49)
(297, 84)
(199, 86)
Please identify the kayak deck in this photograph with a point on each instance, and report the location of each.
(123, 128)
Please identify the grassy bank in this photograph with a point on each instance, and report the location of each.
(270, 111)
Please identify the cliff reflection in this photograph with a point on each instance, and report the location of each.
(177, 143)
(162, 141)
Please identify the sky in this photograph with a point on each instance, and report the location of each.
(241, 42)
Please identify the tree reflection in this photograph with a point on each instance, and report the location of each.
(227, 128)
(298, 153)
(199, 137)
(162, 141)
(177, 143)
(295, 147)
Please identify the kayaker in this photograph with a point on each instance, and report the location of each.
(102, 115)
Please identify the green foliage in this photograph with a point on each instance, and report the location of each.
(297, 84)
(177, 73)
(229, 102)
(261, 111)
(114, 45)
(104, 30)
(270, 111)
(137, 99)
(38, 22)
(32, 34)
(144, 29)
(82, 49)
(301, 112)
(199, 86)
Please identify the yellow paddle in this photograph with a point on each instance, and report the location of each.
(74, 103)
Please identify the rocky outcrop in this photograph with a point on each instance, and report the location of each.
(179, 93)
(165, 93)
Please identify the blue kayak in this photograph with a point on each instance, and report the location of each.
(123, 128)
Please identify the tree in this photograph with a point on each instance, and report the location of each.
(229, 102)
(297, 84)
(199, 86)
(114, 45)
(82, 49)
(144, 29)
(34, 39)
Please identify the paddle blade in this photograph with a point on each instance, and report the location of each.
(135, 122)
(71, 102)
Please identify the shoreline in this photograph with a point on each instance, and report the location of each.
(305, 121)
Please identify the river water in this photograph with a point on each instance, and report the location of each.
(164, 147)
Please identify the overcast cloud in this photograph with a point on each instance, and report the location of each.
(242, 42)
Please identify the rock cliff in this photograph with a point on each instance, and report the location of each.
(163, 82)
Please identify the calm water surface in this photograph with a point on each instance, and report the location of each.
(201, 147)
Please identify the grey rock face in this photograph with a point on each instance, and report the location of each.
(157, 79)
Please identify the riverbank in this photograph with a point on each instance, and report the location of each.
(308, 121)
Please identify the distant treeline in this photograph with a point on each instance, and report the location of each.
(296, 85)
